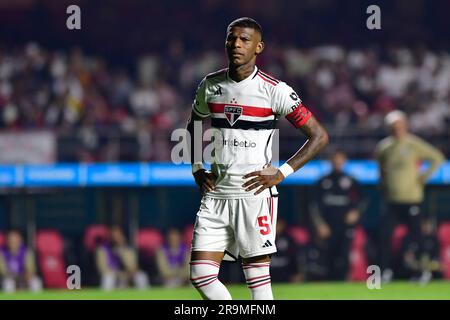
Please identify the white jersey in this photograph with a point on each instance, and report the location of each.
(243, 118)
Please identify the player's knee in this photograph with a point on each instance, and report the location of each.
(203, 272)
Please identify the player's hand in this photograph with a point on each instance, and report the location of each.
(205, 180)
(352, 217)
(265, 178)
(423, 179)
(323, 231)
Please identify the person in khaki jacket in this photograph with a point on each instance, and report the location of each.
(117, 263)
(402, 182)
(17, 265)
(172, 260)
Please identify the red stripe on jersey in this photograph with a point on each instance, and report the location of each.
(271, 210)
(247, 110)
(266, 79)
(299, 116)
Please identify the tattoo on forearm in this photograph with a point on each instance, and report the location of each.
(317, 140)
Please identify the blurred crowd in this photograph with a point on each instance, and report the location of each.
(94, 103)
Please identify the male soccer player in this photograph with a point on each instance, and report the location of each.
(238, 211)
(402, 182)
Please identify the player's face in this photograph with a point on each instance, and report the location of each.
(117, 236)
(14, 241)
(338, 161)
(399, 128)
(242, 45)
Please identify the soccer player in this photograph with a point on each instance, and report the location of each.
(238, 211)
(402, 183)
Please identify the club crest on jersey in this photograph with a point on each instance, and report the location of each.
(232, 113)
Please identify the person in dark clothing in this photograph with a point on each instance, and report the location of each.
(335, 211)
(285, 266)
(421, 259)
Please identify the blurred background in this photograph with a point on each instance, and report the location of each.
(86, 118)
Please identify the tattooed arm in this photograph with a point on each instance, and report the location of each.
(317, 140)
(268, 177)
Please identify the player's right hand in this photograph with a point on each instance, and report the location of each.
(323, 231)
(205, 180)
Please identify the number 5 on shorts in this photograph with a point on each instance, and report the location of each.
(265, 227)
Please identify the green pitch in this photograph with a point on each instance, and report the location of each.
(303, 291)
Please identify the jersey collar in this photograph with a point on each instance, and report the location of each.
(249, 78)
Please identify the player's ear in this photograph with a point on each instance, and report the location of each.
(259, 47)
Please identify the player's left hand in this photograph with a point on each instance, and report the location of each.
(352, 217)
(265, 178)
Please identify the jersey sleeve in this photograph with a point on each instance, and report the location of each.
(287, 103)
(428, 152)
(199, 106)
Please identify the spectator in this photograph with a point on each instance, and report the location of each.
(74, 94)
(402, 183)
(173, 260)
(335, 211)
(117, 263)
(17, 265)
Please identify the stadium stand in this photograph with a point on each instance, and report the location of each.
(50, 256)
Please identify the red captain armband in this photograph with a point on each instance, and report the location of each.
(299, 115)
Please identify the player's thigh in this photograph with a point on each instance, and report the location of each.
(212, 233)
(261, 258)
(255, 226)
(207, 255)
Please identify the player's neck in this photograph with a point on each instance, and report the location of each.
(239, 73)
(400, 136)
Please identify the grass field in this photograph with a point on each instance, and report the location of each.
(307, 291)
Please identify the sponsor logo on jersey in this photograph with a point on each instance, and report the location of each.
(232, 113)
(236, 143)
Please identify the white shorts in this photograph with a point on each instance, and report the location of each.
(239, 227)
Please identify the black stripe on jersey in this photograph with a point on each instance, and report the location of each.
(216, 73)
(242, 124)
(267, 76)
